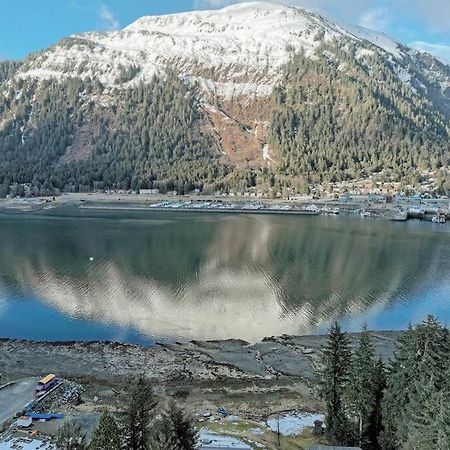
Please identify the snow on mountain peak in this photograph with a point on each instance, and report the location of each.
(231, 51)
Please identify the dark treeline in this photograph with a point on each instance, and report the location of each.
(405, 405)
(7, 70)
(140, 426)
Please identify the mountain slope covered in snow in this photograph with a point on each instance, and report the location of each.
(245, 45)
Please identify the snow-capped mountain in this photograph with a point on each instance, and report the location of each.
(198, 97)
(236, 50)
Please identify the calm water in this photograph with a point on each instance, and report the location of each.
(174, 275)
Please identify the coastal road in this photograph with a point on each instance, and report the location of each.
(13, 398)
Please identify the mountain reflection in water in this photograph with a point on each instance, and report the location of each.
(186, 276)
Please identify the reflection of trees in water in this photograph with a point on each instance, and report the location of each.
(215, 275)
(331, 264)
(168, 251)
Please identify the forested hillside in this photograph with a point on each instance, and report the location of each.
(7, 70)
(255, 96)
(339, 117)
(148, 136)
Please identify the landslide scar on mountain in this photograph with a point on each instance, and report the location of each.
(242, 129)
(81, 148)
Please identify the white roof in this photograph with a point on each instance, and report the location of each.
(24, 422)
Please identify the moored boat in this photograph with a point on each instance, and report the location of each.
(440, 217)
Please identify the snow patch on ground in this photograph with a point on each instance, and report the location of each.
(403, 74)
(362, 52)
(231, 89)
(444, 86)
(293, 425)
(3, 123)
(266, 155)
(19, 444)
(376, 38)
(215, 441)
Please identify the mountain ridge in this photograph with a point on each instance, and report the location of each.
(158, 36)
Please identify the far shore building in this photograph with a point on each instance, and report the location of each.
(148, 191)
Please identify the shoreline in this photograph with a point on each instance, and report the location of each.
(209, 204)
(177, 342)
(271, 358)
(195, 210)
(398, 211)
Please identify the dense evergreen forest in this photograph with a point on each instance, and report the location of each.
(7, 70)
(148, 136)
(340, 117)
(405, 405)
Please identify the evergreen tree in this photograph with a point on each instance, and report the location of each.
(107, 435)
(185, 433)
(175, 431)
(138, 414)
(163, 436)
(430, 424)
(334, 378)
(70, 437)
(396, 396)
(362, 389)
(379, 384)
(417, 375)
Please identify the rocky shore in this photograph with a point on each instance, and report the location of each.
(278, 373)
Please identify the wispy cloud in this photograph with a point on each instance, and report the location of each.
(206, 4)
(108, 19)
(376, 19)
(441, 51)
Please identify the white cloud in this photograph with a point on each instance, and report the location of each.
(375, 19)
(441, 51)
(109, 20)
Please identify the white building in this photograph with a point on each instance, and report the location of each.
(148, 191)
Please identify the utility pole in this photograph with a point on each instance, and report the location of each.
(278, 433)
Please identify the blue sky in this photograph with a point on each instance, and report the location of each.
(29, 25)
